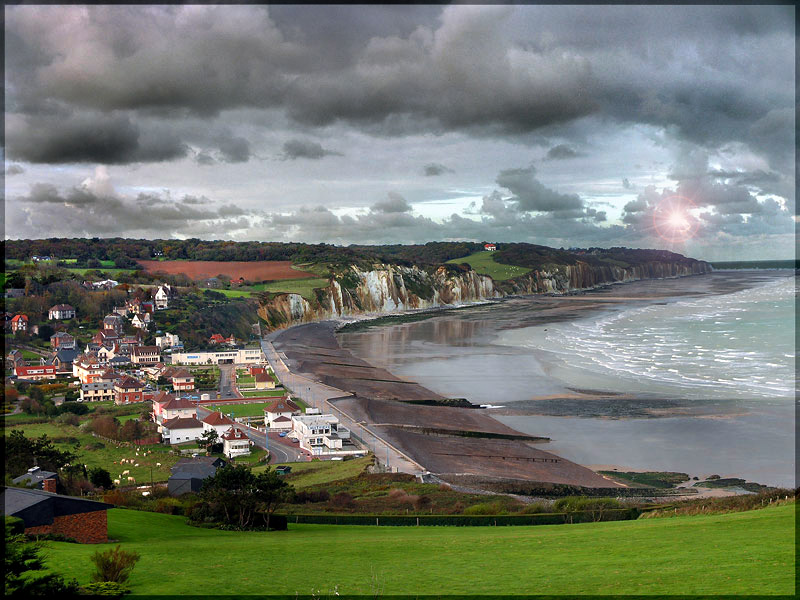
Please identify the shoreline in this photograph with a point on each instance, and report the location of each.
(418, 429)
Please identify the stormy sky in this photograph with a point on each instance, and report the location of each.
(558, 125)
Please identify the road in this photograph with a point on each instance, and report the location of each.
(226, 387)
(281, 450)
(319, 395)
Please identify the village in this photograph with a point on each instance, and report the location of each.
(192, 396)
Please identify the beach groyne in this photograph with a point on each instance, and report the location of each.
(388, 289)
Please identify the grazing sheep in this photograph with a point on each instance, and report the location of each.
(126, 472)
(136, 465)
(131, 479)
(116, 482)
(158, 464)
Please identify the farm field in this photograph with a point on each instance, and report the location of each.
(306, 474)
(203, 269)
(304, 287)
(735, 553)
(484, 264)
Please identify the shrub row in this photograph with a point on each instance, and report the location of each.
(468, 520)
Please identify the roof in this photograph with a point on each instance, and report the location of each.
(163, 396)
(217, 338)
(61, 334)
(144, 350)
(215, 461)
(176, 372)
(18, 318)
(178, 403)
(37, 507)
(182, 423)
(216, 418)
(34, 475)
(234, 433)
(62, 307)
(67, 354)
(262, 377)
(282, 419)
(128, 382)
(281, 405)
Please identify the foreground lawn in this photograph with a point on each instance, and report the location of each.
(484, 264)
(736, 553)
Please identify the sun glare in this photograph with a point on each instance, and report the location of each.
(673, 219)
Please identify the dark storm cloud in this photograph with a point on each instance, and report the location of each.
(435, 169)
(562, 152)
(531, 195)
(626, 183)
(80, 139)
(294, 149)
(14, 170)
(234, 149)
(719, 74)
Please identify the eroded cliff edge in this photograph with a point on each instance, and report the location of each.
(389, 288)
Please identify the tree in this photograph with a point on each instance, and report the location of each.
(22, 453)
(22, 561)
(46, 331)
(209, 440)
(115, 564)
(100, 478)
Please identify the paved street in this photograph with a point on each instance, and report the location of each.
(318, 395)
(226, 387)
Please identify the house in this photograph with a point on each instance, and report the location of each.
(106, 284)
(97, 391)
(35, 373)
(181, 379)
(188, 473)
(218, 422)
(41, 258)
(159, 399)
(153, 372)
(122, 311)
(216, 339)
(173, 408)
(63, 359)
(15, 293)
(62, 339)
(105, 354)
(256, 369)
(19, 323)
(141, 321)
(278, 413)
(114, 322)
(213, 283)
(235, 443)
(134, 306)
(119, 361)
(106, 337)
(128, 390)
(130, 341)
(490, 247)
(162, 296)
(181, 429)
(60, 312)
(45, 512)
(264, 381)
(168, 340)
(39, 479)
(148, 307)
(320, 434)
(15, 358)
(145, 355)
(87, 368)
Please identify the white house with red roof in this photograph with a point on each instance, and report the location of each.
(35, 373)
(490, 247)
(218, 422)
(181, 429)
(235, 443)
(181, 379)
(174, 408)
(19, 323)
(278, 414)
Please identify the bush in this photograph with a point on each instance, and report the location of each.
(533, 509)
(306, 497)
(104, 588)
(115, 565)
(69, 419)
(342, 500)
(485, 508)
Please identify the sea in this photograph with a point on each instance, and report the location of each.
(701, 384)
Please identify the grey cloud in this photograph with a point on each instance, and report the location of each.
(294, 149)
(14, 170)
(626, 183)
(562, 152)
(394, 203)
(234, 149)
(434, 169)
(531, 195)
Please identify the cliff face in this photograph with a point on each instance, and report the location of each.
(392, 288)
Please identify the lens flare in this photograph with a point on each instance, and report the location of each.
(673, 219)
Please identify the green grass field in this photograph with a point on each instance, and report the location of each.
(304, 287)
(306, 474)
(108, 272)
(735, 553)
(263, 393)
(240, 410)
(483, 263)
(235, 293)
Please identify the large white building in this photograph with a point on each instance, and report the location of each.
(244, 356)
(322, 434)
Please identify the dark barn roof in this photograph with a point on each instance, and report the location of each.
(36, 507)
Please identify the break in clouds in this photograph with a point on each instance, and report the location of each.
(568, 123)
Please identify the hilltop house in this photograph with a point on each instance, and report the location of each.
(490, 247)
(162, 296)
(141, 321)
(168, 340)
(19, 323)
(114, 322)
(60, 312)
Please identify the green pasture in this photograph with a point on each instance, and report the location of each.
(483, 262)
(255, 409)
(735, 553)
(316, 472)
(110, 273)
(304, 287)
(239, 293)
(263, 393)
(88, 450)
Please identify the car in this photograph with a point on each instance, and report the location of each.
(294, 441)
(282, 434)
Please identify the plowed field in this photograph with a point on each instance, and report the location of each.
(203, 269)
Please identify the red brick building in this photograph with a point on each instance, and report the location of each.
(44, 512)
(19, 323)
(36, 373)
(127, 390)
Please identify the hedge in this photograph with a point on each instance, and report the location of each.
(467, 520)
